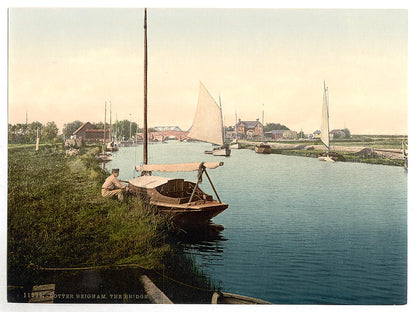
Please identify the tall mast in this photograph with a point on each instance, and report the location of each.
(105, 119)
(222, 122)
(111, 125)
(145, 91)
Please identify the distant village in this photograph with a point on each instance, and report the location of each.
(247, 130)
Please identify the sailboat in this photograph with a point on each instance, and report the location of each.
(235, 144)
(208, 123)
(327, 155)
(104, 157)
(112, 145)
(182, 201)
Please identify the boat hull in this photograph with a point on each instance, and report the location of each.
(329, 157)
(173, 197)
(263, 149)
(235, 146)
(221, 151)
(184, 215)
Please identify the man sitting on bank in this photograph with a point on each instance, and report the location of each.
(113, 187)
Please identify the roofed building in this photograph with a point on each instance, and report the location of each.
(249, 129)
(87, 132)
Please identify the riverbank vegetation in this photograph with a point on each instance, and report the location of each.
(58, 219)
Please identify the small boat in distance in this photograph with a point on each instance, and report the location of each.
(328, 155)
(263, 148)
(208, 125)
(227, 298)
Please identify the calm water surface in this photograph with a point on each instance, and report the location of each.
(297, 230)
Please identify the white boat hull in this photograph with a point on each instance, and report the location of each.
(222, 151)
(235, 146)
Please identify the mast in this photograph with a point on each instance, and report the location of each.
(145, 91)
(222, 122)
(111, 125)
(105, 119)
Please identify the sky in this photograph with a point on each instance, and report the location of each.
(65, 63)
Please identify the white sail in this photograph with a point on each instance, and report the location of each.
(207, 125)
(325, 119)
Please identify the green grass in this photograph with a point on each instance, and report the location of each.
(57, 218)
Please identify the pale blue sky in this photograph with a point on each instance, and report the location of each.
(64, 61)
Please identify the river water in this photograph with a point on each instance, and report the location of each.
(297, 230)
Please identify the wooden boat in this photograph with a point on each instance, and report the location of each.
(328, 155)
(227, 298)
(104, 157)
(263, 148)
(184, 202)
(112, 146)
(210, 129)
(235, 145)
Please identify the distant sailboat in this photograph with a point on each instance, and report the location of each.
(208, 124)
(104, 157)
(328, 155)
(235, 144)
(112, 145)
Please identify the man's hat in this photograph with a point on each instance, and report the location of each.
(115, 170)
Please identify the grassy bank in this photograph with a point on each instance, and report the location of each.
(344, 156)
(57, 218)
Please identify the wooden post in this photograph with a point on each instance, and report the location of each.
(145, 91)
(154, 294)
(37, 139)
(212, 185)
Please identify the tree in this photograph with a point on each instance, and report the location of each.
(125, 128)
(50, 132)
(23, 133)
(347, 133)
(70, 128)
(273, 126)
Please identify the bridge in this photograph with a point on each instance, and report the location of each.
(163, 135)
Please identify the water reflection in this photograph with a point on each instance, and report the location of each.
(206, 242)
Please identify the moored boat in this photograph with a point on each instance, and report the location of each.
(263, 148)
(104, 157)
(227, 298)
(183, 201)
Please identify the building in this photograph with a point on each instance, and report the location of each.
(88, 133)
(281, 134)
(249, 129)
(337, 133)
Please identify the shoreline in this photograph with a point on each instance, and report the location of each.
(354, 153)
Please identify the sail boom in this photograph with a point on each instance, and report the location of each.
(179, 167)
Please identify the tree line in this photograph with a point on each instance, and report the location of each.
(26, 133)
